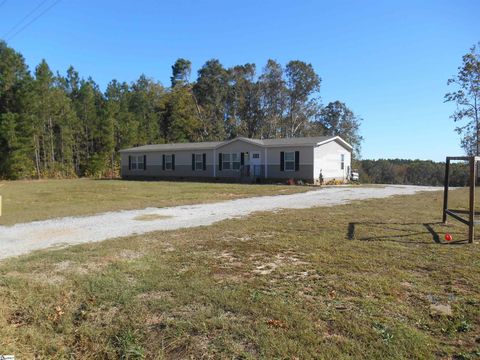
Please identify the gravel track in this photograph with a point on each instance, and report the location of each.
(26, 237)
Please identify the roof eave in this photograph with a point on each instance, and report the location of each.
(156, 150)
(248, 141)
(336, 138)
(289, 145)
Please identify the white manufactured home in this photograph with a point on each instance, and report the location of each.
(309, 159)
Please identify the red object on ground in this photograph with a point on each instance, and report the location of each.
(448, 237)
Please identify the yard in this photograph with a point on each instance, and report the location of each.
(365, 280)
(25, 201)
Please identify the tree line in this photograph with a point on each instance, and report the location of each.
(54, 125)
(411, 172)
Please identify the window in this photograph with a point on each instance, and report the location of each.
(168, 162)
(137, 163)
(289, 161)
(342, 161)
(235, 161)
(226, 161)
(198, 161)
(231, 161)
(256, 156)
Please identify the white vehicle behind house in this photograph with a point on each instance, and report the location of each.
(354, 176)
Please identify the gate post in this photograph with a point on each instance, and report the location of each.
(445, 189)
(471, 211)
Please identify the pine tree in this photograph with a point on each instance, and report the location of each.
(272, 99)
(211, 90)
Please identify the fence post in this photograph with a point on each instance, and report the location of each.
(445, 189)
(471, 212)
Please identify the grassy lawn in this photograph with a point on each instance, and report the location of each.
(25, 201)
(351, 281)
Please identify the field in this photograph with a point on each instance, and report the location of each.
(25, 201)
(368, 280)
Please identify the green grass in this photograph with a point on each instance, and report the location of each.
(25, 201)
(293, 284)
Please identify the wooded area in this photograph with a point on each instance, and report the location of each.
(411, 172)
(54, 125)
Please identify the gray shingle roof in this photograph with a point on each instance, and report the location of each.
(176, 146)
(300, 141)
(295, 141)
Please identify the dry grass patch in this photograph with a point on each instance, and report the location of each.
(30, 200)
(285, 285)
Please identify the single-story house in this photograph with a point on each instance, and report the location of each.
(307, 159)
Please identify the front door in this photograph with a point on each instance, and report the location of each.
(255, 163)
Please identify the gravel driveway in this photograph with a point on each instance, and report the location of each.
(23, 238)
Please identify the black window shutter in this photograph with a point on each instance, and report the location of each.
(144, 162)
(163, 162)
(204, 161)
(297, 160)
(173, 161)
(282, 160)
(193, 162)
(242, 159)
(129, 162)
(219, 161)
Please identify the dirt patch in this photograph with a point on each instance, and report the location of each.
(310, 275)
(43, 278)
(73, 267)
(225, 277)
(155, 295)
(151, 217)
(156, 321)
(190, 310)
(104, 315)
(335, 337)
(265, 269)
(279, 260)
(225, 255)
(49, 279)
(63, 266)
(130, 255)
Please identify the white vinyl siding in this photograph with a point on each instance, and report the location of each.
(328, 161)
